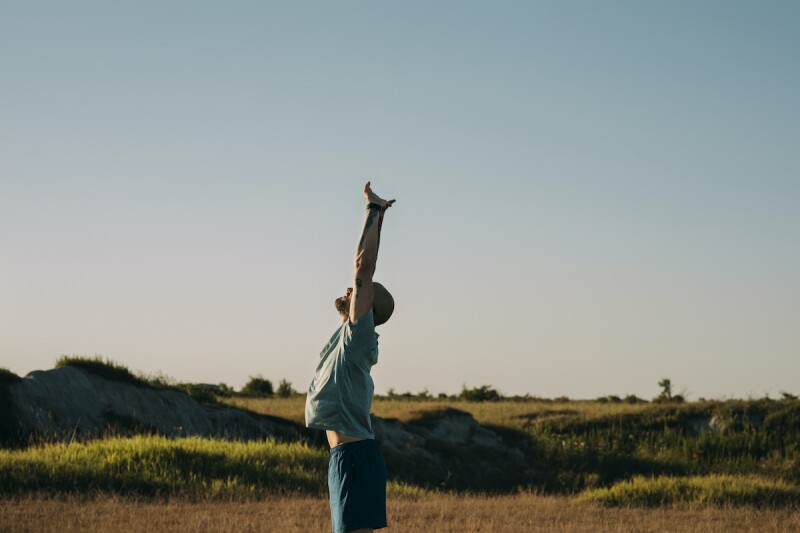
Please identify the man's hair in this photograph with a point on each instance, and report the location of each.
(341, 307)
(382, 304)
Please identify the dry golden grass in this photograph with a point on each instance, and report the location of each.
(441, 513)
(506, 413)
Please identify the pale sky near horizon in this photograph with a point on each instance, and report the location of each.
(591, 196)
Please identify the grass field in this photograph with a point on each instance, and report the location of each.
(441, 513)
(610, 466)
(504, 413)
(160, 466)
(577, 445)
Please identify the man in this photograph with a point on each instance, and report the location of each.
(340, 395)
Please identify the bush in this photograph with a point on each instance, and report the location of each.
(285, 389)
(484, 393)
(200, 392)
(258, 386)
(632, 398)
(224, 390)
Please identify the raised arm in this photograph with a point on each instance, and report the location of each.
(367, 254)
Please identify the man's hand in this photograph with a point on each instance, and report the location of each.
(373, 198)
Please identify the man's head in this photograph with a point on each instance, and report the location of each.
(382, 303)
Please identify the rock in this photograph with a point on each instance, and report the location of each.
(392, 436)
(70, 402)
(458, 427)
(448, 448)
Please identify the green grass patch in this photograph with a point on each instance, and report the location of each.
(576, 445)
(696, 490)
(158, 466)
(396, 489)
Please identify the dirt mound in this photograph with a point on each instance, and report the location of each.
(449, 449)
(70, 402)
(444, 448)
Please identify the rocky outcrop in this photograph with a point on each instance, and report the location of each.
(449, 449)
(444, 448)
(70, 402)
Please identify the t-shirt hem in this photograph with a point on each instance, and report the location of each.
(342, 430)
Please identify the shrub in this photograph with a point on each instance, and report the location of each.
(484, 393)
(224, 390)
(159, 380)
(200, 392)
(285, 389)
(258, 386)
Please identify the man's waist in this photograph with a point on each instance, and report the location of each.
(337, 438)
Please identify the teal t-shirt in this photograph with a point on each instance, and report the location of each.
(340, 395)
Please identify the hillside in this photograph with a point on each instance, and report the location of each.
(439, 448)
(498, 446)
(69, 403)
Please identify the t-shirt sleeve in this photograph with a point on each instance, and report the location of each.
(364, 324)
(361, 341)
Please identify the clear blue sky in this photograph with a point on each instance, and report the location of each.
(590, 196)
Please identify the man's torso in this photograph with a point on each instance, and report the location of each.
(340, 395)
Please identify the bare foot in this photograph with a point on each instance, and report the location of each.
(373, 198)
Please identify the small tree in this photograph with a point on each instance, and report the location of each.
(666, 390)
(666, 393)
(285, 389)
(257, 386)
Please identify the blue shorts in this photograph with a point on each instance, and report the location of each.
(357, 486)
